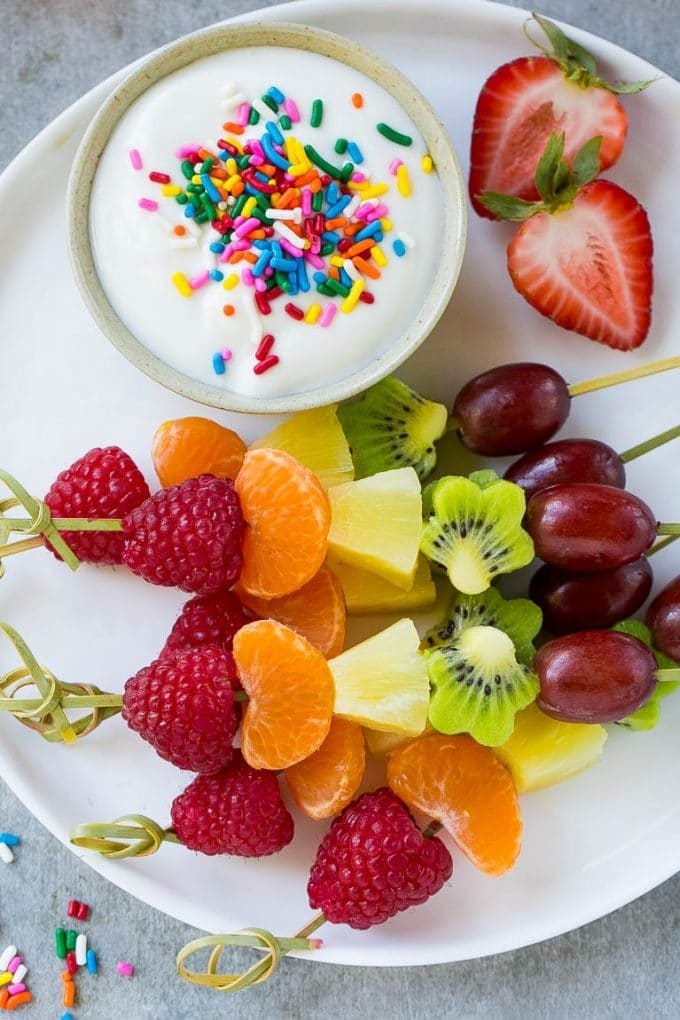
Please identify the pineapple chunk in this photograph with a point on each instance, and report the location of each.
(383, 683)
(544, 751)
(368, 593)
(376, 525)
(316, 439)
(381, 744)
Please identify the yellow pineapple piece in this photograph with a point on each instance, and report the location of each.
(544, 751)
(316, 439)
(381, 744)
(376, 524)
(368, 593)
(382, 683)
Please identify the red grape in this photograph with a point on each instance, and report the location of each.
(511, 409)
(588, 528)
(567, 460)
(663, 619)
(595, 676)
(585, 601)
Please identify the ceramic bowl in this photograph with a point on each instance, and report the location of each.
(213, 40)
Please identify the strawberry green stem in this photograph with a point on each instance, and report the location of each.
(639, 372)
(668, 529)
(250, 938)
(650, 444)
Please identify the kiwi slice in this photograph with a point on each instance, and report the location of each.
(392, 426)
(647, 716)
(475, 529)
(478, 685)
(520, 619)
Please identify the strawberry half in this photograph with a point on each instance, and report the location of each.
(583, 258)
(527, 100)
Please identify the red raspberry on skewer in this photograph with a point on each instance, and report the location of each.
(183, 705)
(237, 811)
(188, 536)
(374, 862)
(207, 620)
(104, 483)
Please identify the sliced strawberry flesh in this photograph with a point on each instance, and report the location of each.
(588, 267)
(519, 107)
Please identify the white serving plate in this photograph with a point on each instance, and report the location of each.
(590, 845)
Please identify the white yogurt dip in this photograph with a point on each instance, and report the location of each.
(142, 258)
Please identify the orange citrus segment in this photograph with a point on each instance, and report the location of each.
(291, 695)
(288, 519)
(188, 447)
(464, 786)
(326, 782)
(317, 611)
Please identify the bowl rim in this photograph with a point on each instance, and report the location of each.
(207, 42)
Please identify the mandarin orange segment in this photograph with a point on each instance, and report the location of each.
(317, 611)
(291, 695)
(326, 782)
(288, 517)
(188, 447)
(462, 785)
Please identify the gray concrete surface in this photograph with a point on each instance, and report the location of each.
(624, 965)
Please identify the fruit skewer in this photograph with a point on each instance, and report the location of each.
(375, 861)
(203, 516)
(517, 407)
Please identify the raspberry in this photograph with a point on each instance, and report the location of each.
(237, 811)
(105, 483)
(188, 536)
(374, 862)
(207, 620)
(184, 706)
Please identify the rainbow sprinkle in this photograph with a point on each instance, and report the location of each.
(287, 218)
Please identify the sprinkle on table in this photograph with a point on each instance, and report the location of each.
(357, 100)
(135, 159)
(399, 248)
(426, 164)
(125, 969)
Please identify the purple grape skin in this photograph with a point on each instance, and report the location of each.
(572, 602)
(594, 676)
(511, 409)
(566, 461)
(663, 619)
(588, 528)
